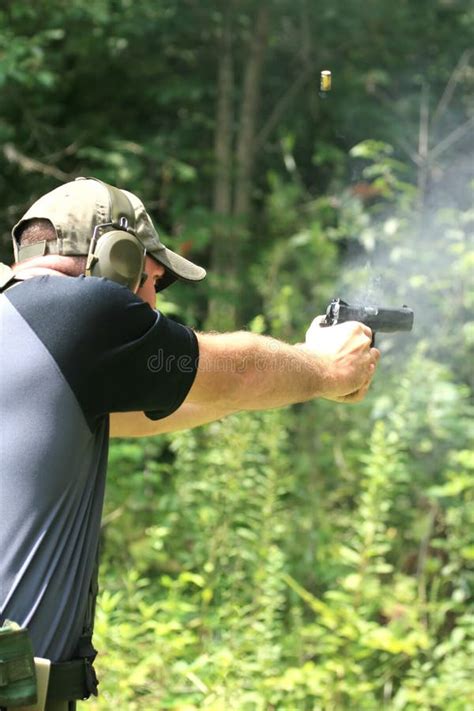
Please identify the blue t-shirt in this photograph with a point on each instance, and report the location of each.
(72, 350)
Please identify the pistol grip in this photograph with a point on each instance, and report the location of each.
(372, 343)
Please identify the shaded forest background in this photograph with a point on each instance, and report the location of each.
(319, 557)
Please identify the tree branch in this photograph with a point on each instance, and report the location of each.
(453, 137)
(30, 165)
(451, 85)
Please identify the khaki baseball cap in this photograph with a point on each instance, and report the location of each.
(75, 209)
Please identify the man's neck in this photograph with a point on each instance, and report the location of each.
(53, 265)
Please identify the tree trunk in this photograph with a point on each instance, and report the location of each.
(232, 215)
(245, 158)
(220, 309)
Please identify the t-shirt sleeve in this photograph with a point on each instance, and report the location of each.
(114, 350)
(141, 360)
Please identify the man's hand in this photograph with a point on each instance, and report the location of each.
(349, 360)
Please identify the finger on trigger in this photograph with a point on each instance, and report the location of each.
(358, 325)
(367, 331)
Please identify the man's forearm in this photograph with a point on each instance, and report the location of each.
(245, 371)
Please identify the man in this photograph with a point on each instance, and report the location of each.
(83, 349)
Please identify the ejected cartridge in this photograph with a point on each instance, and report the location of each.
(326, 80)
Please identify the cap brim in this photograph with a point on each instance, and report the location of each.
(179, 266)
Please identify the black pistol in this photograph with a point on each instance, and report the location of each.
(375, 317)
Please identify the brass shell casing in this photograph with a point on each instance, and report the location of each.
(326, 80)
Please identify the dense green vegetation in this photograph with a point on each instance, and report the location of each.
(319, 557)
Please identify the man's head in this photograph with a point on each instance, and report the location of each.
(107, 227)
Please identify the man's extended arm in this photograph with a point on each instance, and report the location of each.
(245, 371)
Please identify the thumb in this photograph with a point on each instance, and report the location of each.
(315, 325)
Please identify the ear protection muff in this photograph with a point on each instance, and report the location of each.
(115, 252)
